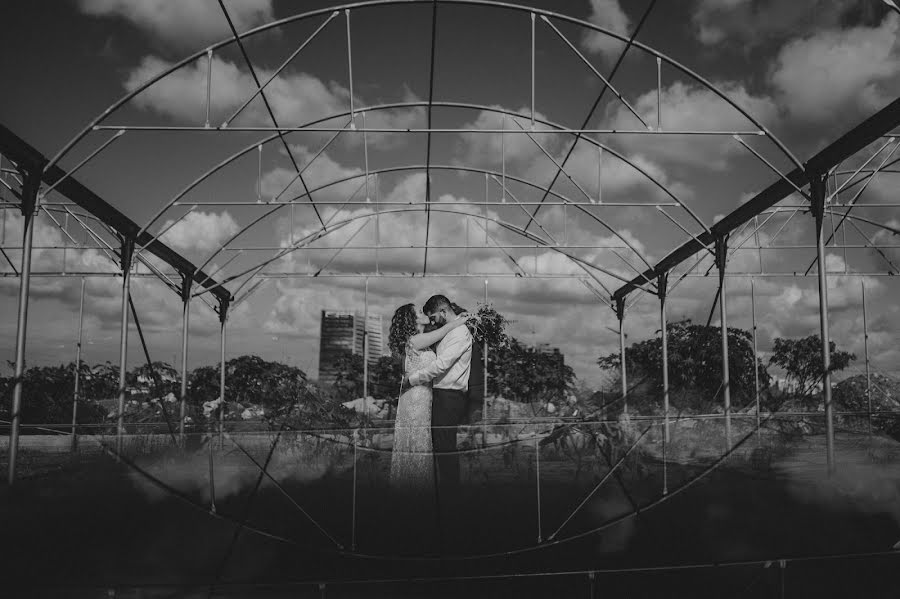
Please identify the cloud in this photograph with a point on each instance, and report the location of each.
(188, 25)
(837, 72)
(688, 107)
(748, 24)
(607, 14)
(517, 148)
(203, 231)
(295, 98)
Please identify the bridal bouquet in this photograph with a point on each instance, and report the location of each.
(488, 326)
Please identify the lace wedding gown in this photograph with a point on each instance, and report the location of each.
(412, 462)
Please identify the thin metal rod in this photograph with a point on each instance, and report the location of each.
(185, 334)
(366, 349)
(484, 353)
(366, 156)
(350, 69)
(223, 317)
(771, 166)
(721, 263)
(623, 370)
(127, 254)
(353, 506)
(503, 161)
(532, 70)
(866, 350)
(663, 283)
(593, 69)
(46, 192)
(334, 128)
(599, 174)
(537, 478)
(31, 200)
(212, 475)
(755, 350)
(277, 71)
(209, 57)
(658, 93)
(75, 396)
(817, 187)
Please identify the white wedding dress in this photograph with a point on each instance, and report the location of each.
(412, 460)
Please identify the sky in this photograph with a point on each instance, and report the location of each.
(805, 71)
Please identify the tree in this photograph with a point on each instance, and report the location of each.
(801, 360)
(348, 381)
(384, 378)
(523, 374)
(249, 380)
(47, 396)
(695, 366)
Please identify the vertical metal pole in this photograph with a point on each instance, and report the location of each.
(817, 188)
(663, 283)
(350, 70)
(127, 253)
(29, 210)
(75, 397)
(658, 93)
(366, 156)
(223, 317)
(468, 222)
(185, 328)
(599, 174)
(620, 314)
(486, 196)
(484, 354)
(503, 159)
(537, 461)
(721, 258)
(353, 515)
(209, 55)
(755, 352)
(366, 347)
(212, 477)
(532, 71)
(259, 174)
(866, 350)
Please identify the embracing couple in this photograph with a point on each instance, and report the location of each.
(438, 393)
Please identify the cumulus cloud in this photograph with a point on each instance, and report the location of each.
(837, 72)
(607, 14)
(295, 98)
(687, 107)
(190, 24)
(203, 231)
(751, 23)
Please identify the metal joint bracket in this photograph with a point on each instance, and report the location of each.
(818, 198)
(721, 253)
(223, 310)
(620, 308)
(662, 284)
(127, 253)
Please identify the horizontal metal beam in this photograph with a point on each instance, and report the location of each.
(29, 158)
(849, 144)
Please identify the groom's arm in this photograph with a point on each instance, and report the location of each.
(455, 345)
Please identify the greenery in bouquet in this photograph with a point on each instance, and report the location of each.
(488, 325)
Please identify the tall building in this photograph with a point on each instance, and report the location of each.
(544, 348)
(341, 331)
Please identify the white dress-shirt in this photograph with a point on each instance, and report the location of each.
(454, 361)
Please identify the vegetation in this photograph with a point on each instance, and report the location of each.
(801, 360)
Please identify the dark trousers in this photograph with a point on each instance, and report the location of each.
(448, 411)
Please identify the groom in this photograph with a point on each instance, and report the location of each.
(450, 373)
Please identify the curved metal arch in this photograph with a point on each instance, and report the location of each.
(417, 167)
(378, 3)
(396, 105)
(319, 234)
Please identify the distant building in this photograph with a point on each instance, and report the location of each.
(342, 331)
(544, 348)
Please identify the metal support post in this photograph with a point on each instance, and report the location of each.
(866, 350)
(817, 205)
(185, 327)
(755, 353)
(75, 396)
(721, 264)
(484, 352)
(620, 314)
(537, 484)
(223, 317)
(30, 188)
(127, 255)
(366, 346)
(662, 285)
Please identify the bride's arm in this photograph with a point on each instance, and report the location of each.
(423, 340)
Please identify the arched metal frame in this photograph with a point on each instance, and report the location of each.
(811, 174)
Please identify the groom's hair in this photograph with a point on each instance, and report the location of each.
(435, 303)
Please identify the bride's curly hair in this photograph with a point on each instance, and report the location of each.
(403, 326)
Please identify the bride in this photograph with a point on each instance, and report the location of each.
(412, 465)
